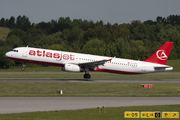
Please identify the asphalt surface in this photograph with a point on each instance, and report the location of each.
(154, 81)
(33, 104)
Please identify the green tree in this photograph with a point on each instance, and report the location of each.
(140, 50)
(149, 22)
(64, 23)
(168, 33)
(46, 41)
(139, 30)
(18, 33)
(54, 27)
(3, 22)
(77, 23)
(87, 25)
(13, 41)
(5, 63)
(11, 22)
(33, 36)
(45, 27)
(99, 32)
(123, 48)
(57, 47)
(76, 34)
(2, 43)
(160, 19)
(94, 46)
(23, 23)
(173, 19)
(174, 53)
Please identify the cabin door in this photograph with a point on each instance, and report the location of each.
(25, 51)
(143, 67)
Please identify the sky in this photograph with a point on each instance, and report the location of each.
(112, 11)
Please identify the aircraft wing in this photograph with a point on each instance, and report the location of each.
(93, 64)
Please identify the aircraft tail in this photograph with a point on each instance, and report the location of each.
(162, 54)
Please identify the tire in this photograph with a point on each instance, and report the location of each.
(22, 69)
(87, 76)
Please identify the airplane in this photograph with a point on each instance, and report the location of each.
(77, 62)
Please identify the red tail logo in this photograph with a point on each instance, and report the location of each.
(162, 54)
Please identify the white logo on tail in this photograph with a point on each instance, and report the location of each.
(161, 55)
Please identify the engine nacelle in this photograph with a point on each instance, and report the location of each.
(72, 68)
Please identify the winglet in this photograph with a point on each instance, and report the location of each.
(162, 54)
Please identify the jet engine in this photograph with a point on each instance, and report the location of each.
(72, 68)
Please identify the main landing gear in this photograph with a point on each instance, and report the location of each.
(87, 75)
(23, 67)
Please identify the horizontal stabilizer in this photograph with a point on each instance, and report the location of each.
(168, 68)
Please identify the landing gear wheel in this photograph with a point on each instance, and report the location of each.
(22, 68)
(87, 76)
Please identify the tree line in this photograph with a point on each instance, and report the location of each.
(135, 40)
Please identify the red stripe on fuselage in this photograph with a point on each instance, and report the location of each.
(121, 72)
(115, 71)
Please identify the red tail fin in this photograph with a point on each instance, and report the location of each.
(162, 54)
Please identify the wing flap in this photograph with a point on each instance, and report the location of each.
(93, 64)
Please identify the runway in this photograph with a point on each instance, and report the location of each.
(33, 104)
(152, 81)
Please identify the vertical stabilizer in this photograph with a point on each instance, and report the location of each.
(162, 54)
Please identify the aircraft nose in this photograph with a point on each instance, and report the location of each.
(7, 54)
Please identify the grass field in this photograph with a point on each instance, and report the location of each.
(88, 114)
(89, 89)
(4, 32)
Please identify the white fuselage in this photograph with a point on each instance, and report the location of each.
(60, 58)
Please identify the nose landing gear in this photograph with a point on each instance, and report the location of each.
(23, 67)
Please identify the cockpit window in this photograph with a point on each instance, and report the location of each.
(15, 50)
